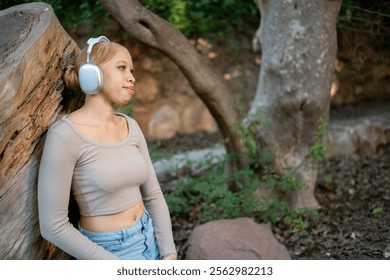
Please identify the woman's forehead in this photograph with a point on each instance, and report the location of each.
(122, 53)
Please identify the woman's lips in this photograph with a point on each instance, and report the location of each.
(130, 90)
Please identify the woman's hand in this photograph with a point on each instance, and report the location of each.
(170, 257)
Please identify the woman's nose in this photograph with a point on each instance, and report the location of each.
(130, 77)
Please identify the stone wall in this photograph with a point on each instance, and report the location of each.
(165, 103)
(362, 69)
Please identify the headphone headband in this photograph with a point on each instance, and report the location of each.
(92, 41)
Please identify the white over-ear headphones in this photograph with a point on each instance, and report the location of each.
(90, 75)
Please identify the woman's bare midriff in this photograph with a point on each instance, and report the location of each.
(113, 222)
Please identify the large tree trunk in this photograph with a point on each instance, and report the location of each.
(152, 30)
(299, 45)
(32, 47)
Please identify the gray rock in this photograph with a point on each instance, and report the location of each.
(237, 239)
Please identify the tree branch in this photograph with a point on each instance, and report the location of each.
(154, 31)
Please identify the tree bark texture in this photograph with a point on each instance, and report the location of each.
(298, 43)
(154, 31)
(32, 50)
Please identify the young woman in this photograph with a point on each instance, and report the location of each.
(101, 158)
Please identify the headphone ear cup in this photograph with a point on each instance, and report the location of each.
(91, 78)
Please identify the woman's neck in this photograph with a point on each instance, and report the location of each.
(98, 108)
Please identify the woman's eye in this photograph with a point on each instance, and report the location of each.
(122, 68)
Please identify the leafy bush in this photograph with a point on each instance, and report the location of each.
(208, 195)
(366, 17)
(216, 20)
(71, 14)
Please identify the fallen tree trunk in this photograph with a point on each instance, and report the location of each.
(32, 50)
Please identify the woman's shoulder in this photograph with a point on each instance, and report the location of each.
(62, 127)
(61, 139)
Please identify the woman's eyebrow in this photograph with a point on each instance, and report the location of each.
(121, 61)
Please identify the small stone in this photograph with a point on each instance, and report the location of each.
(386, 252)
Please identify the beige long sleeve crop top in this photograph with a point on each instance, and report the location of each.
(104, 179)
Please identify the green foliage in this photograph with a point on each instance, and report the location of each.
(210, 197)
(318, 150)
(210, 19)
(71, 14)
(222, 21)
(369, 17)
(292, 219)
(377, 210)
(173, 11)
(285, 182)
(127, 109)
(157, 153)
(258, 156)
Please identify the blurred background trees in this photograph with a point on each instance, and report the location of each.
(218, 20)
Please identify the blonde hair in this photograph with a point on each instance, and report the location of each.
(101, 53)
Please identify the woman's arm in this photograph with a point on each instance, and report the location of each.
(54, 187)
(156, 205)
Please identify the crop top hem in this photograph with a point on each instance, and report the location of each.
(109, 212)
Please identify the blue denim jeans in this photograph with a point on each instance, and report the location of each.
(136, 242)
